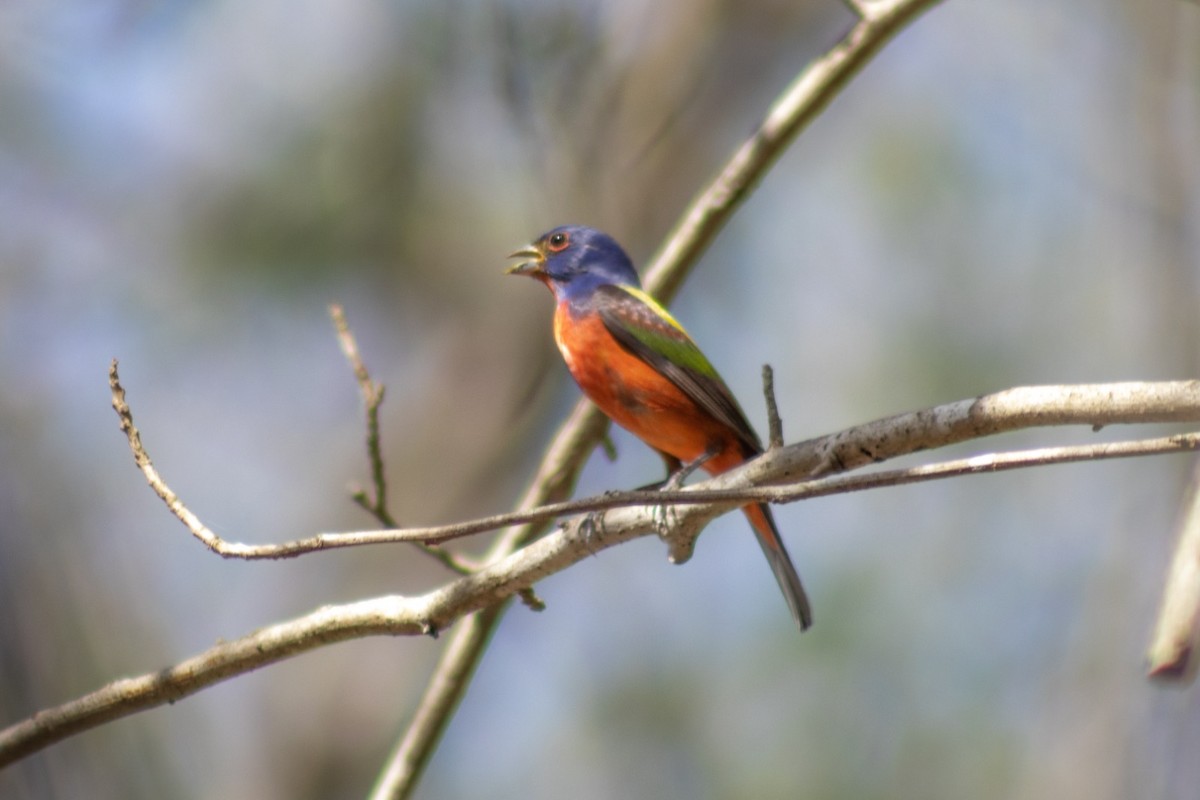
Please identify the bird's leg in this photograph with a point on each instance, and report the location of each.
(682, 471)
(592, 524)
(677, 473)
(673, 466)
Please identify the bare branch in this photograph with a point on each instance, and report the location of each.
(1096, 405)
(699, 494)
(372, 394)
(1172, 650)
(874, 10)
(774, 422)
(406, 762)
(436, 610)
(385, 615)
(986, 463)
(512, 573)
(142, 459)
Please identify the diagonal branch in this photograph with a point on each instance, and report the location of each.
(1172, 655)
(582, 431)
(798, 105)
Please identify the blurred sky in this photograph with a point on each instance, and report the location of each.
(1008, 195)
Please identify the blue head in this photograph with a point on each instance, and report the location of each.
(573, 260)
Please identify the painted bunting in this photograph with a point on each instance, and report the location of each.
(639, 365)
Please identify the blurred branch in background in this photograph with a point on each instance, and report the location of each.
(1172, 655)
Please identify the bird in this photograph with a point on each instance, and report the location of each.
(643, 370)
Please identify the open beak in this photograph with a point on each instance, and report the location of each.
(531, 266)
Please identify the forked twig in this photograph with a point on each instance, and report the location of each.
(372, 395)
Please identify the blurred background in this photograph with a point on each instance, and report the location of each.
(1008, 195)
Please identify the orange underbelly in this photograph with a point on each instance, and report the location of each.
(637, 397)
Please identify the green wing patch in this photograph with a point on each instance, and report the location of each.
(648, 331)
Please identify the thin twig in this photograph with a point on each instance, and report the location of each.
(774, 422)
(372, 395)
(1172, 654)
(142, 460)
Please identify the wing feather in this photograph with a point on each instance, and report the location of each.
(648, 331)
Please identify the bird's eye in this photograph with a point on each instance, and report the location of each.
(558, 242)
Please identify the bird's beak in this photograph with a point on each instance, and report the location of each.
(531, 266)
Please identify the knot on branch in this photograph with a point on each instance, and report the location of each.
(679, 531)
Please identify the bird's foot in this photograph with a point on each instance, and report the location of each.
(591, 529)
(675, 479)
(665, 519)
(665, 516)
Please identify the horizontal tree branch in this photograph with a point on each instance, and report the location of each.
(1095, 405)
(725, 499)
